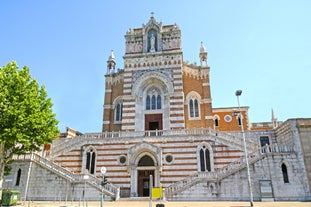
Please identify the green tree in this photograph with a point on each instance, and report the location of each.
(27, 121)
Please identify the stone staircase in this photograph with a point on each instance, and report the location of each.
(92, 138)
(226, 171)
(108, 189)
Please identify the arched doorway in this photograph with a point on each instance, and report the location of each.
(145, 159)
(143, 175)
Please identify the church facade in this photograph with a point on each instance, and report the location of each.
(160, 129)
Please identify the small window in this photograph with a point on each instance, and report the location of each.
(228, 118)
(264, 140)
(284, 172)
(216, 121)
(118, 112)
(169, 158)
(90, 161)
(18, 177)
(122, 159)
(239, 121)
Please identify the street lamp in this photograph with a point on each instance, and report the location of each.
(103, 171)
(238, 94)
(85, 177)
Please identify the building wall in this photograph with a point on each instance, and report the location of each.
(228, 118)
(113, 91)
(196, 84)
(304, 130)
(235, 187)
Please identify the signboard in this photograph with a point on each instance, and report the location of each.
(156, 192)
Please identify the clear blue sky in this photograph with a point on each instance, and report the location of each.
(262, 47)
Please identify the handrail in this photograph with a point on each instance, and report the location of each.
(108, 189)
(226, 138)
(227, 170)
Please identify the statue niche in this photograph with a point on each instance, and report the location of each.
(152, 40)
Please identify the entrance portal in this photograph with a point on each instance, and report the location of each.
(144, 182)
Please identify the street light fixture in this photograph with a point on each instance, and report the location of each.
(85, 177)
(238, 94)
(103, 171)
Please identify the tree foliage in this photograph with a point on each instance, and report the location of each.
(26, 118)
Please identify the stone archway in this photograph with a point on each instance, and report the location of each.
(144, 170)
(145, 159)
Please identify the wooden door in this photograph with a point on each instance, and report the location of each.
(153, 122)
(144, 182)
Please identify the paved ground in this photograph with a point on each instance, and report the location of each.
(166, 204)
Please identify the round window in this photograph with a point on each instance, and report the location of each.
(122, 159)
(228, 118)
(169, 158)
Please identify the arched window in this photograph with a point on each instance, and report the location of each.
(159, 102)
(118, 112)
(193, 100)
(193, 108)
(90, 161)
(239, 120)
(118, 105)
(196, 108)
(146, 161)
(153, 102)
(148, 103)
(284, 172)
(205, 160)
(216, 121)
(18, 177)
(153, 99)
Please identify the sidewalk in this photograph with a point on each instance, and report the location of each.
(166, 204)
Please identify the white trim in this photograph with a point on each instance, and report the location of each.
(108, 106)
(209, 117)
(127, 90)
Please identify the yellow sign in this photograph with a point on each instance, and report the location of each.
(156, 192)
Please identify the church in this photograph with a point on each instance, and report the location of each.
(160, 129)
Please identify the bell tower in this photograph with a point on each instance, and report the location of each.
(152, 92)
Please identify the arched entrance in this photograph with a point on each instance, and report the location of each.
(144, 171)
(145, 159)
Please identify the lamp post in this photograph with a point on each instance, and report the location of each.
(238, 94)
(85, 177)
(103, 171)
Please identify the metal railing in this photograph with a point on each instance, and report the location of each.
(225, 138)
(227, 170)
(108, 189)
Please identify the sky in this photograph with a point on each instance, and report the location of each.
(261, 47)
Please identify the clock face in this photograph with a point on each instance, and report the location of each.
(103, 170)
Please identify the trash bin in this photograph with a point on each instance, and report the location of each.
(10, 197)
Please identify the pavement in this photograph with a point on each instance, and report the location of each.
(165, 203)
